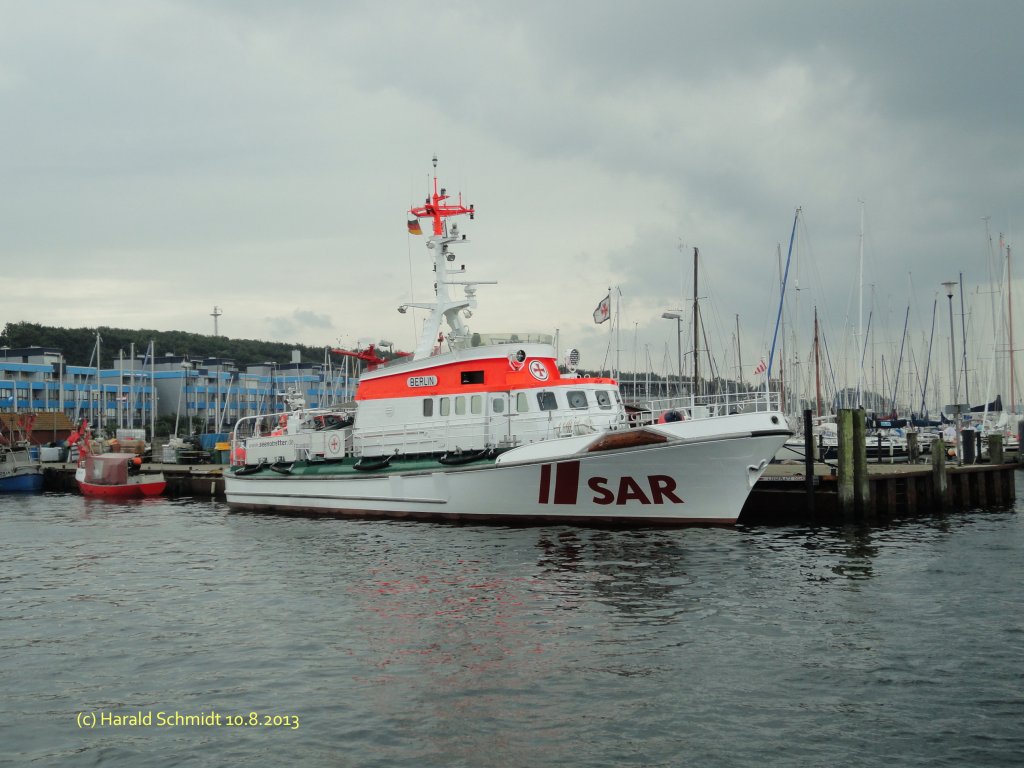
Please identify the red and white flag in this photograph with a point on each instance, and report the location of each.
(761, 368)
(604, 310)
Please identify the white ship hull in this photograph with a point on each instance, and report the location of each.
(684, 481)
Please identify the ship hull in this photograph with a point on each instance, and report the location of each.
(28, 481)
(699, 481)
(136, 487)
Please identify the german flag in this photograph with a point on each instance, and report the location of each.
(414, 227)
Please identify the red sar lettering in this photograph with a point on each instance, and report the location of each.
(662, 488)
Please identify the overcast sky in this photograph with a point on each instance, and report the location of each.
(162, 158)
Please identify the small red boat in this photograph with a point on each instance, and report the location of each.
(112, 475)
(116, 475)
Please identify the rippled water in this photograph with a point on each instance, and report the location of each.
(418, 644)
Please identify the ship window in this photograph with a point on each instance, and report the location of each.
(460, 406)
(577, 398)
(497, 405)
(522, 404)
(446, 406)
(546, 400)
(428, 406)
(476, 404)
(472, 377)
(602, 399)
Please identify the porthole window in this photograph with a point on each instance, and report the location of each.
(577, 398)
(547, 401)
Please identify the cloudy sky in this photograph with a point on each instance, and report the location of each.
(165, 157)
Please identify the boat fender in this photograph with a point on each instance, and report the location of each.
(671, 416)
(368, 464)
(251, 469)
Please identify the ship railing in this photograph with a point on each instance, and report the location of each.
(710, 406)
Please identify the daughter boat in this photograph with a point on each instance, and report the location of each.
(475, 426)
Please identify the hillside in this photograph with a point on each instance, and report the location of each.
(77, 344)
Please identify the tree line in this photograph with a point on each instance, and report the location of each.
(78, 344)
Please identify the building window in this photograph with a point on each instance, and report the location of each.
(460, 406)
(498, 405)
(476, 404)
(446, 406)
(522, 404)
(546, 400)
(428, 407)
(602, 399)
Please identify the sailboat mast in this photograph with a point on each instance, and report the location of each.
(696, 330)
(817, 365)
(739, 352)
(860, 306)
(928, 365)
(1009, 320)
(963, 334)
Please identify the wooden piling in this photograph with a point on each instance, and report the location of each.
(940, 483)
(995, 448)
(913, 450)
(862, 486)
(809, 461)
(844, 462)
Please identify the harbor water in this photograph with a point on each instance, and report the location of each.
(171, 632)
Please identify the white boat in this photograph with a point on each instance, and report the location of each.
(485, 426)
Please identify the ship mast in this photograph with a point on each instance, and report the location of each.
(446, 308)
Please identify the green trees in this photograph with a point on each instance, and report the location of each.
(77, 344)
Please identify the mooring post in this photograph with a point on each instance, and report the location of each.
(995, 448)
(862, 488)
(939, 479)
(913, 451)
(967, 441)
(844, 462)
(809, 461)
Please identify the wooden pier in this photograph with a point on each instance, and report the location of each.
(852, 490)
(781, 495)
